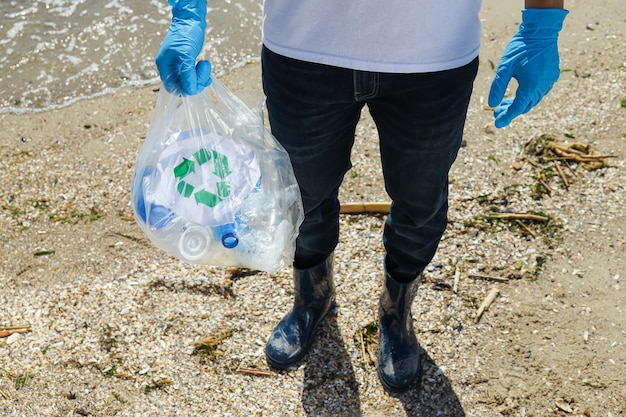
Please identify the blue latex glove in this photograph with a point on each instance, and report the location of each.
(532, 58)
(176, 60)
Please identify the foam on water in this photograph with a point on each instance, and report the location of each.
(55, 52)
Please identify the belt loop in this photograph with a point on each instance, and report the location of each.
(365, 84)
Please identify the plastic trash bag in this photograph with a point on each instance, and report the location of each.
(213, 186)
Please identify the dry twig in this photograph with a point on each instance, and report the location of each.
(550, 149)
(255, 372)
(486, 303)
(528, 229)
(519, 216)
(367, 207)
(561, 174)
(542, 181)
(9, 330)
(363, 349)
(488, 278)
(572, 170)
(457, 276)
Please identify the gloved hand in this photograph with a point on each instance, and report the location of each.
(176, 60)
(532, 58)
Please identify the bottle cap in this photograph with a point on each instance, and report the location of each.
(194, 243)
(227, 234)
(230, 240)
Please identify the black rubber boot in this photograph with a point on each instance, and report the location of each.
(292, 338)
(399, 358)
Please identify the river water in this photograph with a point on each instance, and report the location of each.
(55, 52)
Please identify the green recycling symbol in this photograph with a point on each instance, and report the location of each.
(202, 196)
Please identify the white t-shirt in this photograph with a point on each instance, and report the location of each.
(401, 36)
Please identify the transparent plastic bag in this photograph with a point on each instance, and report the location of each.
(213, 186)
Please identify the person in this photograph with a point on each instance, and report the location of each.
(413, 64)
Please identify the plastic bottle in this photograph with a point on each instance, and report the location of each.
(256, 237)
(261, 211)
(195, 243)
(227, 234)
(263, 231)
(155, 215)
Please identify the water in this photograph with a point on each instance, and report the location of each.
(56, 52)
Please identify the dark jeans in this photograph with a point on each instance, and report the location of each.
(313, 112)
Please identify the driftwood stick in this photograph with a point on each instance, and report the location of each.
(488, 278)
(528, 229)
(255, 372)
(545, 184)
(486, 303)
(595, 156)
(532, 162)
(581, 158)
(366, 207)
(573, 152)
(365, 357)
(457, 276)
(567, 164)
(566, 151)
(561, 174)
(519, 216)
(20, 327)
(9, 330)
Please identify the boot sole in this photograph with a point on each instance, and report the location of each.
(286, 365)
(395, 388)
